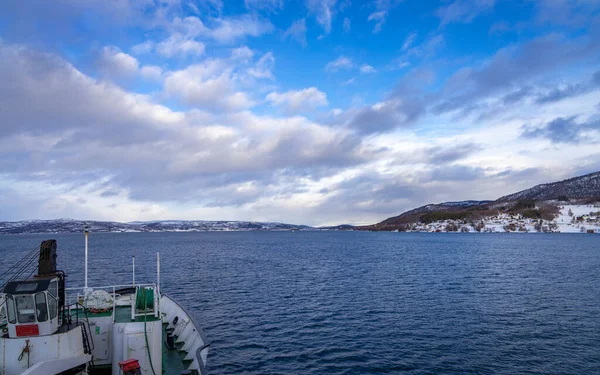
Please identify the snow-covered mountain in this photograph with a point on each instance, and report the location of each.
(72, 226)
(539, 202)
(587, 186)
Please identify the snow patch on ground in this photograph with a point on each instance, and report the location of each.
(571, 219)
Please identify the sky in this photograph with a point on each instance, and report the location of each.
(316, 112)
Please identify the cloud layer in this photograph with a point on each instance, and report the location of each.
(315, 116)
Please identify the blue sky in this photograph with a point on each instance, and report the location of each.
(315, 112)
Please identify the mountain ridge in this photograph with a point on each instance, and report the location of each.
(98, 226)
(573, 188)
(579, 188)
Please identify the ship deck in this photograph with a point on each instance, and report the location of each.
(173, 363)
(122, 315)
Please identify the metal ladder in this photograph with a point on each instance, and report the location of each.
(86, 334)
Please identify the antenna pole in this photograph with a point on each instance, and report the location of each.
(85, 231)
(158, 272)
(133, 267)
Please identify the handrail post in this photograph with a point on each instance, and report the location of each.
(114, 303)
(157, 294)
(134, 297)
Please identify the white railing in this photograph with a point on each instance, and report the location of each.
(111, 289)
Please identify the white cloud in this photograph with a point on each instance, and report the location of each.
(381, 12)
(228, 30)
(323, 11)
(428, 48)
(199, 7)
(221, 85)
(408, 42)
(117, 64)
(349, 82)
(186, 33)
(242, 53)
(223, 30)
(366, 68)
(62, 99)
(143, 48)
(341, 62)
(377, 16)
(179, 46)
(347, 25)
(379, 19)
(336, 112)
(268, 5)
(210, 85)
(263, 67)
(151, 72)
(464, 11)
(190, 26)
(400, 64)
(297, 31)
(193, 7)
(301, 100)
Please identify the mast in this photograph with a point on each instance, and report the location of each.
(85, 231)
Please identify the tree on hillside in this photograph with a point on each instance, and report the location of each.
(525, 203)
(532, 214)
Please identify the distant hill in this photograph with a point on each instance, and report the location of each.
(338, 227)
(582, 188)
(73, 226)
(414, 214)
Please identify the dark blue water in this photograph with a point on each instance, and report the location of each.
(368, 303)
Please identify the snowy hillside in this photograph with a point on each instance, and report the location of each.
(523, 209)
(462, 203)
(571, 219)
(587, 186)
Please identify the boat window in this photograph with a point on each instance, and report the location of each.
(25, 309)
(52, 306)
(26, 287)
(53, 288)
(41, 307)
(10, 309)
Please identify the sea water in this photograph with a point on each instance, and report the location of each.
(365, 303)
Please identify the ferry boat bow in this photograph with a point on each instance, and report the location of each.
(47, 328)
